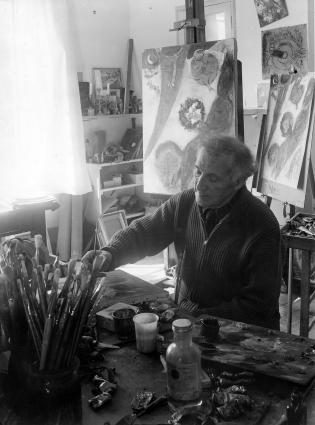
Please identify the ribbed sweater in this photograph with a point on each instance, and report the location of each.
(234, 272)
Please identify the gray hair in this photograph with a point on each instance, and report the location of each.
(243, 163)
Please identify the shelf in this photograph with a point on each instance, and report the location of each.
(96, 117)
(254, 111)
(108, 164)
(125, 186)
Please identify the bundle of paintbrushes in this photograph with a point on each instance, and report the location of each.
(55, 309)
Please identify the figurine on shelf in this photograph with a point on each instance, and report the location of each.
(95, 145)
(120, 105)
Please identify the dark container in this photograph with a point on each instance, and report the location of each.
(124, 325)
(209, 328)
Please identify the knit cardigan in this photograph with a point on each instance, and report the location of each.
(234, 272)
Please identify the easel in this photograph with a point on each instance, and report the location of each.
(306, 245)
(194, 26)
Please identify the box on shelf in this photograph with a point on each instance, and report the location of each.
(135, 178)
(104, 318)
(115, 181)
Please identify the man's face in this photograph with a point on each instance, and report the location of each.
(213, 183)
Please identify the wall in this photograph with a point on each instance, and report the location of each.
(101, 28)
(150, 22)
(100, 31)
(248, 34)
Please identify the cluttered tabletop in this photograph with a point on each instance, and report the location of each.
(250, 375)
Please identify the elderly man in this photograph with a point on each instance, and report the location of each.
(227, 240)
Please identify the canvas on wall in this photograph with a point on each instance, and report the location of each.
(269, 11)
(186, 89)
(284, 50)
(287, 139)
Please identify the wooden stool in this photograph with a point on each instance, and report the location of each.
(306, 245)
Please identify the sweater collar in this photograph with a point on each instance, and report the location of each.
(226, 208)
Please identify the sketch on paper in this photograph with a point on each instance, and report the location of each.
(287, 134)
(186, 89)
(284, 50)
(269, 11)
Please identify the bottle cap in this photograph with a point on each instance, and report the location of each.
(181, 325)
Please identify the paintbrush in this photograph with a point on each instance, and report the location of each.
(45, 342)
(67, 328)
(59, 333)
(31, 299)
(70, 346)
(69, 278)
(96, 268)
(42, 291)
(5, 316)
(32, 328)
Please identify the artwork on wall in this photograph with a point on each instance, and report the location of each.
(284, 50)
(105, 81)
(186, 89)
(269, 11)
(287, 138)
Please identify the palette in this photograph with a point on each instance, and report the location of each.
(120, 286)
(273, 353)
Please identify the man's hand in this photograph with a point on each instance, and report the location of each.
(88, 258)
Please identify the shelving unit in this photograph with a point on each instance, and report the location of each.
(105, 195)
(123, 186)
(117, 116)
(104, 172)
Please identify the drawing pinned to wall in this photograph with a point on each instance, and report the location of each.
(269, 11)
(287, 140)
(186, 89)
(284, 50)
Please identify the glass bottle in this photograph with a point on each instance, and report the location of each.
(183, 363)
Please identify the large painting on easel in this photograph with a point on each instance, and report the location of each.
(186, 89)
(287, 139)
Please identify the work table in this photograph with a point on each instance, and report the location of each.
(279, 362)
(137, 372)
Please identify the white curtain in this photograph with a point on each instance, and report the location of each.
(41, 133)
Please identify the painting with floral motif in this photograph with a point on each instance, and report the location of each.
(287, 140)
(269, 11)
(284, 50)
(186, 89)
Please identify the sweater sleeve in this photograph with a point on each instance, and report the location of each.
(257, 301)
(146, 236)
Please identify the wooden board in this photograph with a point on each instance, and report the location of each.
(273, 353)
(120, 286)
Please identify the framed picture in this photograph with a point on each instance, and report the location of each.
(108, 224)
(269, 11)
(106, 79)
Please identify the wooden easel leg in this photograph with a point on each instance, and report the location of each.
(305, 293)
(195, 9)
(289, 319)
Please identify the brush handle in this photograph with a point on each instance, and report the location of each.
(45, 343)
(158, 402)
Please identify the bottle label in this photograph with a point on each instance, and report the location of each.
(183, 381)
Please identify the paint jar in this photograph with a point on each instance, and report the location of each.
(123, 323)
(146, 327)
(209, 328)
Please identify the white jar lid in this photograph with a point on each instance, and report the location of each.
(181, 324)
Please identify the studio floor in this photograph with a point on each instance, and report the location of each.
(152, 270)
